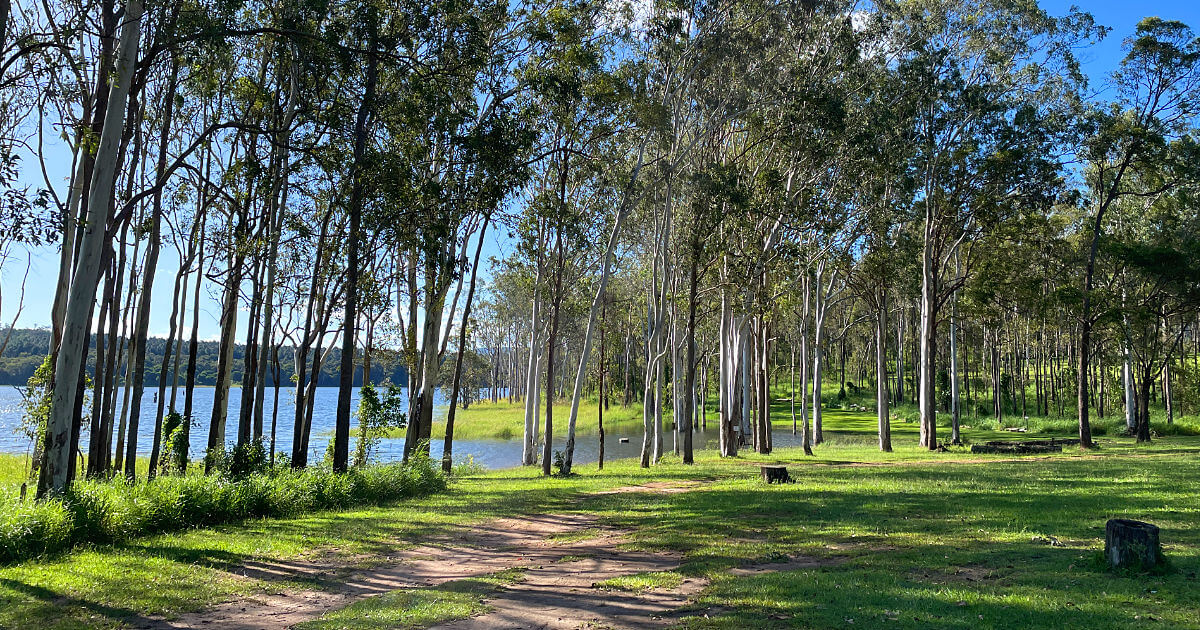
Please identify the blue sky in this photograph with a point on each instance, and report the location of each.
(1097, 61)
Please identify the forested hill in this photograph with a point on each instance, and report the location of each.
(27, 348)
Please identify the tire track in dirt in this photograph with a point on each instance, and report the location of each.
(557, 591)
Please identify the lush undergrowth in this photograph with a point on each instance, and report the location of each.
(116, 511)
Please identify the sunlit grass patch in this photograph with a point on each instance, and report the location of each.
(641, 582)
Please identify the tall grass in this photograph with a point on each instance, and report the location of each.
(114, 511)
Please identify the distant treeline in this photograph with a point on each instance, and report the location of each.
(27, 348)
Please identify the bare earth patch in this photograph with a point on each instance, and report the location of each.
(557, 591)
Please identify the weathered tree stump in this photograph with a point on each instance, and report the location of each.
(776, 474)
(1131, 544)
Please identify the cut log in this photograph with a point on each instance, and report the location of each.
(1131, 544)
(776, 474)
(1050, 442)
(1015, 448)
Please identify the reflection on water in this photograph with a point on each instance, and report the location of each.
(488, 453)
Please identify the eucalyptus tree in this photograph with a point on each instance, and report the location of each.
(986, 74)
(602, 96)
(1155, 250)
(341, 432)
(55, 475)
(456, 138)
(1158, 92)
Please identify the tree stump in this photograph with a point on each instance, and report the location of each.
(775, 474)
(1131, 544)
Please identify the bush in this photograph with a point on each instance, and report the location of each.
(249, 458)
(175, 444)
(115, 511)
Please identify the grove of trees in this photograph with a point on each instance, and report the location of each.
(704, 204)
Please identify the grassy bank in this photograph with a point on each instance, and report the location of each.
(502, 420)
(914, 539)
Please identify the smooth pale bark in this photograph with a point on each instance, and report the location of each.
(764, 394)
(54, 478)
(529, 441)
(437, 285)
(926, 338)
(955, 434)
(605, 270)
(656, 346)
(97, 449)
(745, 384)
(820, 311)
(448, 444)
(881, 380)
(725, 378)
(900, 357)
(58, 310)
(649, 395)
(805, 434)
(659, 376)
(603, 397)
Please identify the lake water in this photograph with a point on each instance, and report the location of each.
(488, 453)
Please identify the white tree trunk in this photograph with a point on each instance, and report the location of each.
(528, 446)
(605, 268)
(55, 474)
(955, 436)
(926, 340)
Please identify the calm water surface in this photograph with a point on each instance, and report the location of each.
(489, 453)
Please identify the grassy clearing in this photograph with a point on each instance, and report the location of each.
(417, 608)
(914, 538)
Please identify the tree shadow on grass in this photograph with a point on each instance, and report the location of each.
(49, 600)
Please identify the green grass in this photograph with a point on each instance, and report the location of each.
(417, 608)
(912, 539)
(640, 582)
(506, 421)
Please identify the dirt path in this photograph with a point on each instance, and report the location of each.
(565, 555)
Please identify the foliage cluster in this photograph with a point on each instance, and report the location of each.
(114, 511)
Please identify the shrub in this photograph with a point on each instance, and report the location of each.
(115, 511)
(175, 444)
(248, 458)
(377, 415)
